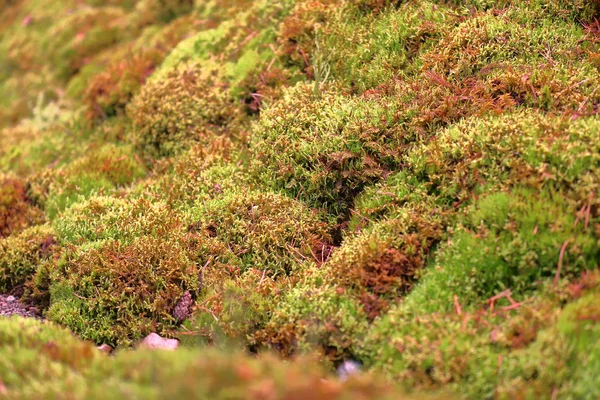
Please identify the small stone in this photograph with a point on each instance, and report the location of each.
(183, 307)
(27, 20)
(104, 348)
(10, 298)
(347, 369)
(155, 341)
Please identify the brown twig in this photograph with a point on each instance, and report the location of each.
(573, 86)
(457, 305)
(581, 211)
(587, 216)
(560, 261)
(584, 102)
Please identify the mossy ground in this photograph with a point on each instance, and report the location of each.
(410, 184)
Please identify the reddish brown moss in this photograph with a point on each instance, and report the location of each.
(297, 32)
(383, 263)
(109, 92)
(117, 293)
(16, 210)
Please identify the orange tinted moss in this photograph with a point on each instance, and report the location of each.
(109, 92)
(16, 210)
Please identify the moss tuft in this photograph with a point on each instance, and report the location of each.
(21, 254)
(117, 293)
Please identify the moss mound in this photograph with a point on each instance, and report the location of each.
(413, 185)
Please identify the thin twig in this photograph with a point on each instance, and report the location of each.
(457, 305)
(584, 102)
(573, 86)
(560, 261)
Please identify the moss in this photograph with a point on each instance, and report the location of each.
(357, 145)
(509, 150)
(111, 218)
(263, 229)
(413, 185)
(509, 241)
(99, 171)
(195, 107)
(109, 92)
(44, 353)
(80, 35)
(165, 10)
(488, 353)
(233, 306)
(315, 318)
(200, 174)
(116, 293)
(381, 264)
(381, 56)
(21, 254)
(42, 360)
(16, 209)
(50, 139)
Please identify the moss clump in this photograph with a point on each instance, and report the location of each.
(382, 263)
(164, 10)
(44, 353)
(314, 316)
(109, 92)
(99, 171)
(16, 209)
(511, 241)
(200, 174)
(20, 255)
(186, 106)
(251, 246)
(516, 148)
(110, 218)
(507, 351)
(79, 35)
(263, 229)
(42, 360)
(326, 150)
(116, 293)
(382, 56)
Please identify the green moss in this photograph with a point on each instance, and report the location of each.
(82, 34)
(325, 151)
(201, 174)
(410, 184)
(111, 218)
(116, 293)
(525, 352)
(42, 354)
(188, 105)
(41, 360)
(509, 241)
(20, 255)
(98, 172)
(264, 230)
(364, 51)
(512, 149)
(315, 318)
